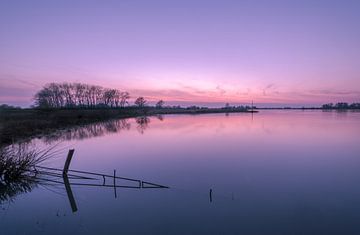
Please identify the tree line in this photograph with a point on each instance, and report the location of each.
(341, 105)
(79, 95)
(66, 95)
(69, 95)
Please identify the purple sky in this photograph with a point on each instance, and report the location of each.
(275, 52)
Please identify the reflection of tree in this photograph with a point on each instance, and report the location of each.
(88, 131)
(143, 123)
(160, 117)
(97, 129)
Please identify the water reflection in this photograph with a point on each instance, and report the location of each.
(99, 129)
(297, 169)
(143, 123)
(160, 117)
(89, 131)
(17, 169)
(10, 190)
(22, 169)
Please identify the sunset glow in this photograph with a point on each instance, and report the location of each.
(202, 52)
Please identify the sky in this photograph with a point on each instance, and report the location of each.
(185, 52)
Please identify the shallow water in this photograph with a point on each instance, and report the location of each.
(274, 172)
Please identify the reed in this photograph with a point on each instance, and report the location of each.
(17, 164)
(16, 161)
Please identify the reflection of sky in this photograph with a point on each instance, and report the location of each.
(200, 51)
(271, 173)
(287, 130)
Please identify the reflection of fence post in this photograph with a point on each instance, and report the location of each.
(67, 162)
(66, 180)
(69, 193)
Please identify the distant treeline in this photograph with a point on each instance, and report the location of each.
(67, 95)
(8, 107)
(341, 105)
(79, 95)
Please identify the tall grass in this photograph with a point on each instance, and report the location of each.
(17, 160)
(17, 164)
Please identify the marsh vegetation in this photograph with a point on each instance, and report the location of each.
(17, 169)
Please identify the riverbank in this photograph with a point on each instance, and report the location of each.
(21, 124)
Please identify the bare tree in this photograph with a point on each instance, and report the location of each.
(67, 90)
(108, 97)
(160, 104)
(80, 90)
(58, 95)
(116, 98)
(140, 102)
(124, 96)
(43, 98)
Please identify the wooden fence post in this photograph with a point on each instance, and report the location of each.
(68, 160)
(115, 183)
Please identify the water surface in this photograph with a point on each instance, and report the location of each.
(274, 172)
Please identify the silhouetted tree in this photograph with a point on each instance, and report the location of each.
(140, 102)
(109, 97)
(59, 95)
(355, 106)
(342, 105)
(5, 106)
(193, 107)
(80, 94)
(124, 96)
(327, 106)
(160, 104)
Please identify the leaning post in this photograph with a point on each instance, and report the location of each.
(68, 160)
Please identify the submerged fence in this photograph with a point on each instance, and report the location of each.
(87, 179)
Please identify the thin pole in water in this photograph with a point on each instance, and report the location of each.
(114, 183)
(66, 180)
(68, 160)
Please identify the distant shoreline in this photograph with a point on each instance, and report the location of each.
(22, 124)
(313, 108)
(18, 125)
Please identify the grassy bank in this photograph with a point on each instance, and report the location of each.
(21, 124)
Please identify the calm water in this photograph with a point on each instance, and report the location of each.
(276, 172)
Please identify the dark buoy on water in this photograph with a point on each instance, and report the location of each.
(210, 195)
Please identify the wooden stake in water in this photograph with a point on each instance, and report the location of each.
(114, 183)
(68, 160)
(66, 180)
